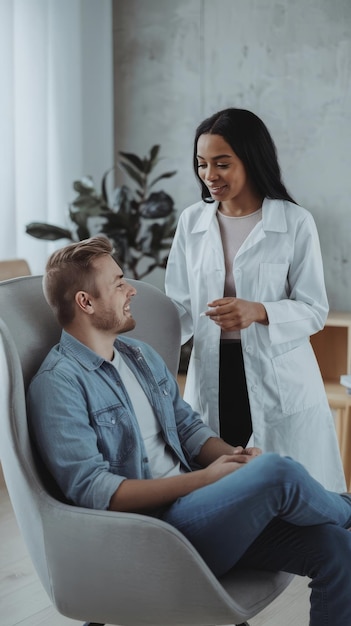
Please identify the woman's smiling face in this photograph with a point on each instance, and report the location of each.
(222, 171)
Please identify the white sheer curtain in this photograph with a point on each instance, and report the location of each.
(56, 113)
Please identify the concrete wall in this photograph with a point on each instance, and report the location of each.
(290, 62)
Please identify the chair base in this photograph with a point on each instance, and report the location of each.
(96, 624)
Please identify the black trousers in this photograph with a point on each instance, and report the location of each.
(234, 407)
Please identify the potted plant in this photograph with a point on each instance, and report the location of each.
(139, 222)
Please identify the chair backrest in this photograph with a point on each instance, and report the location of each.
(13, 267)
(35, 329)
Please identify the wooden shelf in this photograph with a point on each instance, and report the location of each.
(332, 347)
(337, 395)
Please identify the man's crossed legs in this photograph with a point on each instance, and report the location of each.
(272, 515)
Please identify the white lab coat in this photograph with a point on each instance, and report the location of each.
(280, 265)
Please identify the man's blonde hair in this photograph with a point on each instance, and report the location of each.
(70, 270)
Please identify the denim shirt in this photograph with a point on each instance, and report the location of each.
(84, 425)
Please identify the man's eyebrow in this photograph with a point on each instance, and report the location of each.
(118, 277)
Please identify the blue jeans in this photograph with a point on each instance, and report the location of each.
(272, 515)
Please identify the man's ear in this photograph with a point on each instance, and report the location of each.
(83, 301)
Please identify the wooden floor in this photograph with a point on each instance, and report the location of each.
(23, 601)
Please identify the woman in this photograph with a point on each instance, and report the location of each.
(245, 272)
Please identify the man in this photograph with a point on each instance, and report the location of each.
(114, 432)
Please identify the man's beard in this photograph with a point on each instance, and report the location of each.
(109, 321)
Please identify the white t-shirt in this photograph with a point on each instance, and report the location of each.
(161, 458)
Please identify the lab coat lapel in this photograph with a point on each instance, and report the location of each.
(273, 219)
(207, 225)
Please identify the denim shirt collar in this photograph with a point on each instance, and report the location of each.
(86, 357)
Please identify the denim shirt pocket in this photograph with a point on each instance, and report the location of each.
(115, 434)
(165, 409)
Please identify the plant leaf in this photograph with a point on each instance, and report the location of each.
(154, 152)
(136, 161)
(84, 186)
(132, 173)
(47, 231)
(103, 184)
(87, 202)
(147, 166)
(165, 175)
(153, 160)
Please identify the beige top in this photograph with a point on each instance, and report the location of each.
(234, 231)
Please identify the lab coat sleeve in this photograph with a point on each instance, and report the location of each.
(177, 281)
(306, 310)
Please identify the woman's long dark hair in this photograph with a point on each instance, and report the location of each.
(250, 140)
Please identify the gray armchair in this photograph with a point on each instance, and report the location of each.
(102, 566)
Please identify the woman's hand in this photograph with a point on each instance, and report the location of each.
(236, 314)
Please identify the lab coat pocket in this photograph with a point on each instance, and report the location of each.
(273, 281)
(298, 379)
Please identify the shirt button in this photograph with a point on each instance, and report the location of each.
(165, 393)
(249, 349)
(113, 421)
(254, 388)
